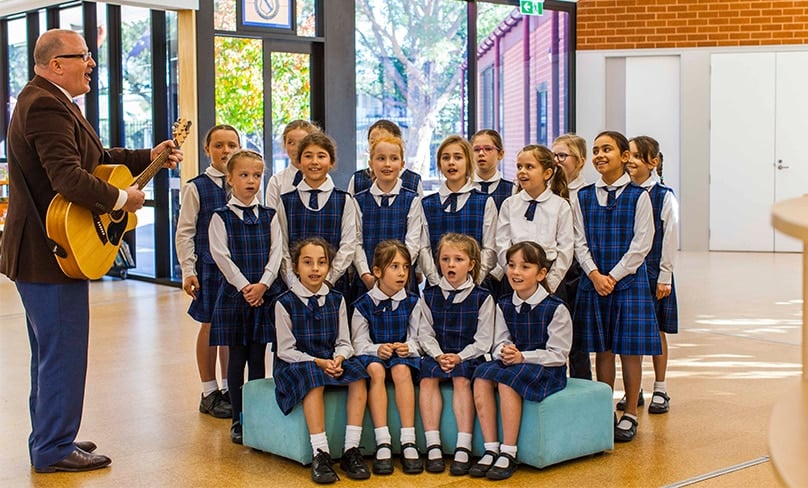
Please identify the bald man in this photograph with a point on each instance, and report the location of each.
(53, 148)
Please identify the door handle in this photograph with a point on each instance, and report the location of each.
(780, 164)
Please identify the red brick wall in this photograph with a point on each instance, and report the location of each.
(637, 24)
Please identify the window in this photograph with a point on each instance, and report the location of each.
(419, 76)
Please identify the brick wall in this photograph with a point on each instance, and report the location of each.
(637, 24)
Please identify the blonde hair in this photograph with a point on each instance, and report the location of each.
(575, 143)
(242, 154)
(466, 244)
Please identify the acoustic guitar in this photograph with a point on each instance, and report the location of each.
(86, 242)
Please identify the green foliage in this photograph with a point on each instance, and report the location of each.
(240, 86)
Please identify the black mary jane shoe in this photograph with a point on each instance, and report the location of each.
(659, 407)
(457, 468)
(437, 465)
(411, 466)
(497, 473)
(383, 466)
(321, 470)
(625, 435)
(478, 469)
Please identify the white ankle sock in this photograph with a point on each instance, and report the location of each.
(625, 424)
(505, 449)
(353, 435)
(209, 387)
(660, 386)
(383, 437)
(319, 441)
(463, 440)
(407, 436)
(433, 439)
(487, 460)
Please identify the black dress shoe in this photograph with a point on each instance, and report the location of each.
(86, 446)
(460, 469)
(478, 470)
(77, 461)
(497, 473)
(411, 466)
(354, 465)
(216, 404)
(321, 470)
(383, 466)
(625, 435)
(436, 465)
(236, 434)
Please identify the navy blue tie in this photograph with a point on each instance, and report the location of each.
(525, 308)
(451, 296)
(611, 197)
(314, 307)
(531, 210)
(313, 203)
(485, 186)
(225, 186)
(383, 306)
(248, 214)
(385, 201)
(297, 179)
(451, 202)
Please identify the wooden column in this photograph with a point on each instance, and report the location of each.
(187, 91)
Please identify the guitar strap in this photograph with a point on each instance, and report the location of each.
(54, 246)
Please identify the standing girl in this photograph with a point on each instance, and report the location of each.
(456, 333)
(532, 336)
(314, 350)
(458, 207)
(385, 329)
(386, 210)
(316, 208)
(287, 179)
(488, 149)
(540, 212)
(363, 178)
(645, 158)
(614, 231)
(570, 153)
(246, 243)
(200, 276)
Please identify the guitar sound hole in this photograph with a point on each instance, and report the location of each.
(117, 227)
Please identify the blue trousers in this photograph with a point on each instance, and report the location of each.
(58, 320)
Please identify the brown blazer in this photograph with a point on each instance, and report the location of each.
(56, 149)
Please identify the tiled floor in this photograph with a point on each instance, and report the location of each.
(738, 351)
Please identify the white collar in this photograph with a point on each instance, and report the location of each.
(327, 185)
(235, 201)
(446, 286)
(213, 172)
(303, 292)
(444, 190)
(543, 197)
(377, 295)
(624, 180)
(376, 191)
(536, 298)
(497, 176)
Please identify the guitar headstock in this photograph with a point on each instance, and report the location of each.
(180, 130)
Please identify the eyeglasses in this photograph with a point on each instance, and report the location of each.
(561, 157)
(485, 148)
(84, 56)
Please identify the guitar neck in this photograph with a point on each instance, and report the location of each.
(145, 177)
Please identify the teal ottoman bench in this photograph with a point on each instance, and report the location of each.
(575, 422)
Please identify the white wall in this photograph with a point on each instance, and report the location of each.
(686, 166)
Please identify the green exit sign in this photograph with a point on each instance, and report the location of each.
(529, 7)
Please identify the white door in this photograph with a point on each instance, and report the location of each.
(742, 108)
(791, 133)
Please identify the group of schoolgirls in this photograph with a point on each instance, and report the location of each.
(533, 232)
